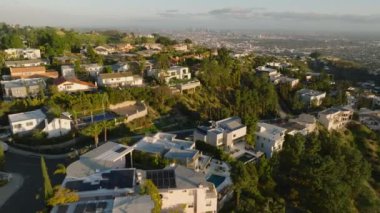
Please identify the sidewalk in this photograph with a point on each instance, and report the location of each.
(12, 187)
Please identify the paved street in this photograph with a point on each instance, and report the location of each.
(10, 188)
(24, 200)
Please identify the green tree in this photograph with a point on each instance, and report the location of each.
(108, 69)
(106, 125)
(188, 41)
(2, 157)
(94, 131)
(149, 188)
(48, 189)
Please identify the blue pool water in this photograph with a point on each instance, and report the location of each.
(99, 117)
(216, 180)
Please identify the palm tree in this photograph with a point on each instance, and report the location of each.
(106, 125)
(94, 131)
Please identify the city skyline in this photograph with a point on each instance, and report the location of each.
(351, 16)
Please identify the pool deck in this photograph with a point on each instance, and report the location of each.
(219, 168)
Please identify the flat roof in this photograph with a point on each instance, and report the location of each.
(184, 178)
(270, 131)
(121, 204)
(109, 151)
(181, 154)
(334, 110)
(97, 159)
(23, 82)
(115, 75)
(114, 179)
(231, 123)
(162, 142)
(139, 203)
(309, 92)
(23, 116)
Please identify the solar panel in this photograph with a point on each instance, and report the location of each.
(62, 209)
(102, 205)
(120, 150)
(162, 178)
(91, 207)
(80, 208)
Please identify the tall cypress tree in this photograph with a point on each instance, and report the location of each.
(2, 157)
(48, 189)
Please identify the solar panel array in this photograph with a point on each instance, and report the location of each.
(120, 150)
(90, 207)
(163, 179)
(115, 179)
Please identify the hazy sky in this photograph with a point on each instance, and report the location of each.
(315, 15)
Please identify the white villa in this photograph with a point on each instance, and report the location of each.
(335, 118)
(26, 122)
(169, 147)
(180, 186)
(71, 85)
(26, 63)
(68, 71)
(370, 118)
(223, 133)
(311, 97)
(122, 79)
(269, 138)
(26, 53)
(175, 72)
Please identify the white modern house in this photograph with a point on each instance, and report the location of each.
(122, 79)
(269, 138)
(292, 82)
(25, 121)
(180, 47)
(370, 118)
(22, 88)
(26, 63)
(104, 50)
(224, 133)
(264, 70)
(103, 158)
(120, 67)
(174, 72)
(71, 85)
(169, 147)
(183, 188)
(22, 123)
(92, 69)
(131, 110)
(335, 118)
(22, 53)
(278, 65)
(311, 97)
(67, 71)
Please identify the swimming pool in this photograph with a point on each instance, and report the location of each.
(216, 180)
(99, 117)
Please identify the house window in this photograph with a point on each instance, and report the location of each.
(29, 124)
(262, 145)
(17, 126)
